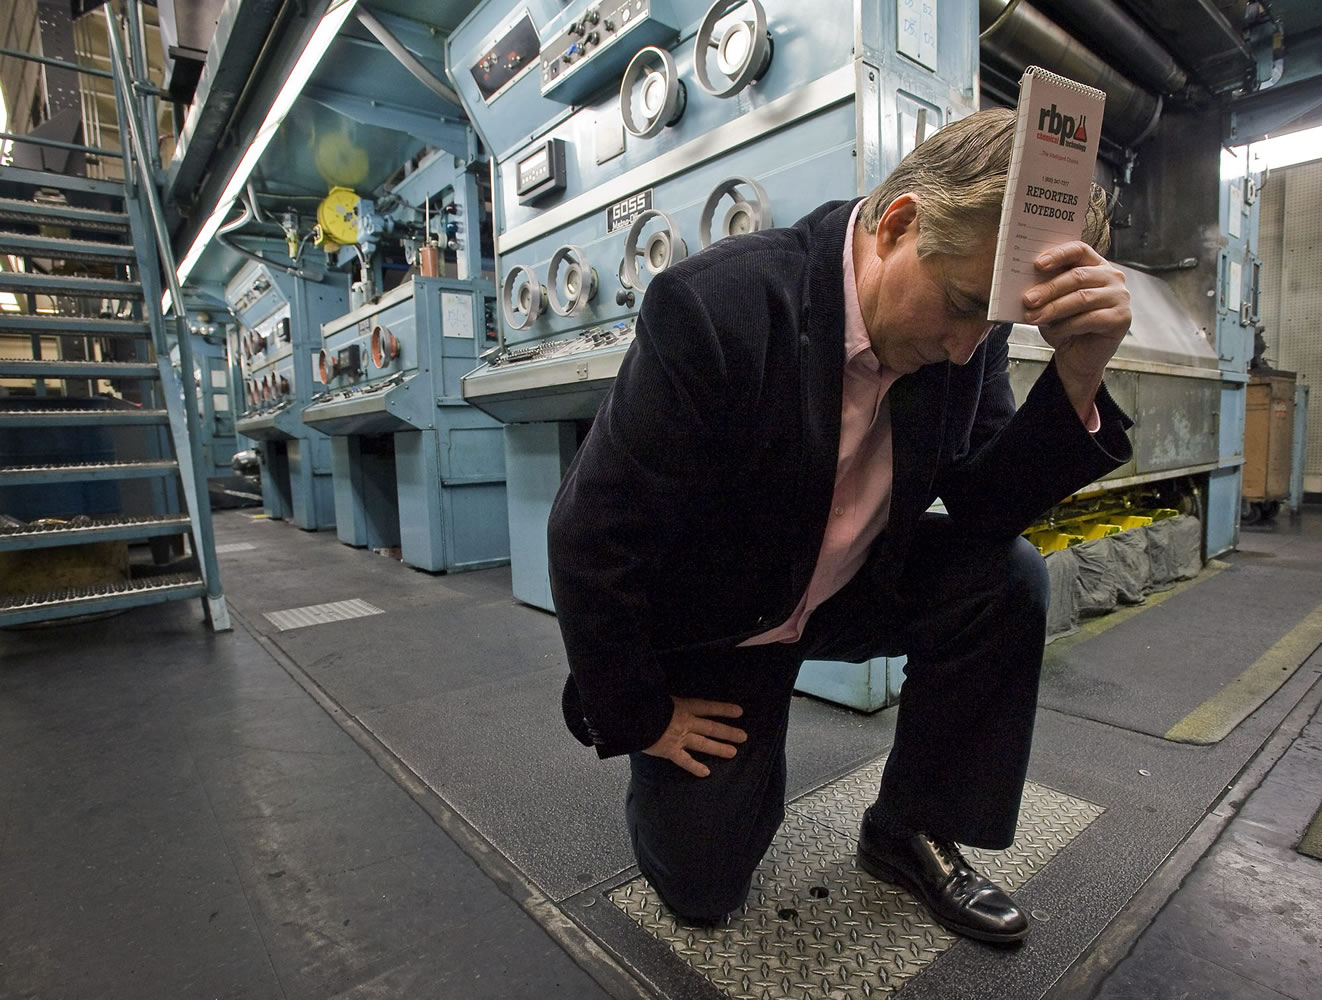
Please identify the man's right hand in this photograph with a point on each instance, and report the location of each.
(692, 727)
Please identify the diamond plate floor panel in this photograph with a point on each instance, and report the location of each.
(815, 926)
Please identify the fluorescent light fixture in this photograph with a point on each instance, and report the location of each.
(1276, 151)
(322, 36)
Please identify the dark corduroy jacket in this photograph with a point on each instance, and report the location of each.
(693, 513)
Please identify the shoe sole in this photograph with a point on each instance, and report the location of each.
(881, 870)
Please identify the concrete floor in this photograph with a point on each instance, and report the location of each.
(388, 806)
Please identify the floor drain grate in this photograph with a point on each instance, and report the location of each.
(320, 614)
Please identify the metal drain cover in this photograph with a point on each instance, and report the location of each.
(817, 926)
(319, 614)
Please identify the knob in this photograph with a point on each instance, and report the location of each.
(624, 298)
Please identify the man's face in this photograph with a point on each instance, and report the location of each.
(925, 311)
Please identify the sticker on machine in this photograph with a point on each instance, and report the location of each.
(457, 315)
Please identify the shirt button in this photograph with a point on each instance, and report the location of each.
(839, 512)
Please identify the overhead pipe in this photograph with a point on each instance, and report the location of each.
(406, 58)
(1118, 36)
(1017, 35)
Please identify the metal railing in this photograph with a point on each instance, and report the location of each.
(37, 140)
(139, 173)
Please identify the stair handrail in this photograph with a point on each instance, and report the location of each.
(28, 139)
(141, 163)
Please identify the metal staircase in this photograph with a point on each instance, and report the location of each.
(100, 455)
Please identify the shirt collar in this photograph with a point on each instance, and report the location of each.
(857, 344)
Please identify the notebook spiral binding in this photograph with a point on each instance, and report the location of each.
(1046, 75)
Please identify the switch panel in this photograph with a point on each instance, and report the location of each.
(593, 49)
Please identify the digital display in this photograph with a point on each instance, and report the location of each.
(512, 53)
(541, 172)
(534, 168)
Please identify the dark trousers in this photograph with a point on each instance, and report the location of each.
(972, 622)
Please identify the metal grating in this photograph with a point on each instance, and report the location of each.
(238, 547)
(817, 926)
(320, 614)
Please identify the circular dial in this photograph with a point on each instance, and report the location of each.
(742, 51)
(749, 212)
(658, 250)
(578, 281)
(651, 93)
(385, 346)
(523, 298)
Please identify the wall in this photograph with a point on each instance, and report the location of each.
(1290, 244)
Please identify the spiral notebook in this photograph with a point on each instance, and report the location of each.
(1051, 172)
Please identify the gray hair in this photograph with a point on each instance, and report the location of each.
(959, 175)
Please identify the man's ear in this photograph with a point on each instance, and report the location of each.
(900, 217)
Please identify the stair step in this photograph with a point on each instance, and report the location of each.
(75, 601)
(47, 213)
(61, 249)
(22, 177)
(102, 529)
(30, 475)
(69, 284)
(75, 325)
(81, 418)
(25, 368)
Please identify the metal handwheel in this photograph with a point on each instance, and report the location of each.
(522, 303)
(662, 248)
(743, 51)
(385, 346)
(580, 281)
(747, 215)
(660, 95)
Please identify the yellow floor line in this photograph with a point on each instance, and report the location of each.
(1096, 626)
(1214, 718)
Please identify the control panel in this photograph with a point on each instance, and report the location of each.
(587, 54)
(506, 58)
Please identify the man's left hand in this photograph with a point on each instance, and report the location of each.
(1081, 309)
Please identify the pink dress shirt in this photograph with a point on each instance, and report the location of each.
(860, 505)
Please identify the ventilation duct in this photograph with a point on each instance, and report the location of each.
(1016, 35)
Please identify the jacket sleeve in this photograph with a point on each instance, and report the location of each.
(656, 438)
(1018, 463)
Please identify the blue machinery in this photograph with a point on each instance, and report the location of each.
(626, 134)
(279, 334)
(413, 465)
(358, 410)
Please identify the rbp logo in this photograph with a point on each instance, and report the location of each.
(1063, 127)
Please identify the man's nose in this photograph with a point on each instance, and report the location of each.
(967, 340)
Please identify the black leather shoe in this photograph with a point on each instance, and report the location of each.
(958, 897)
